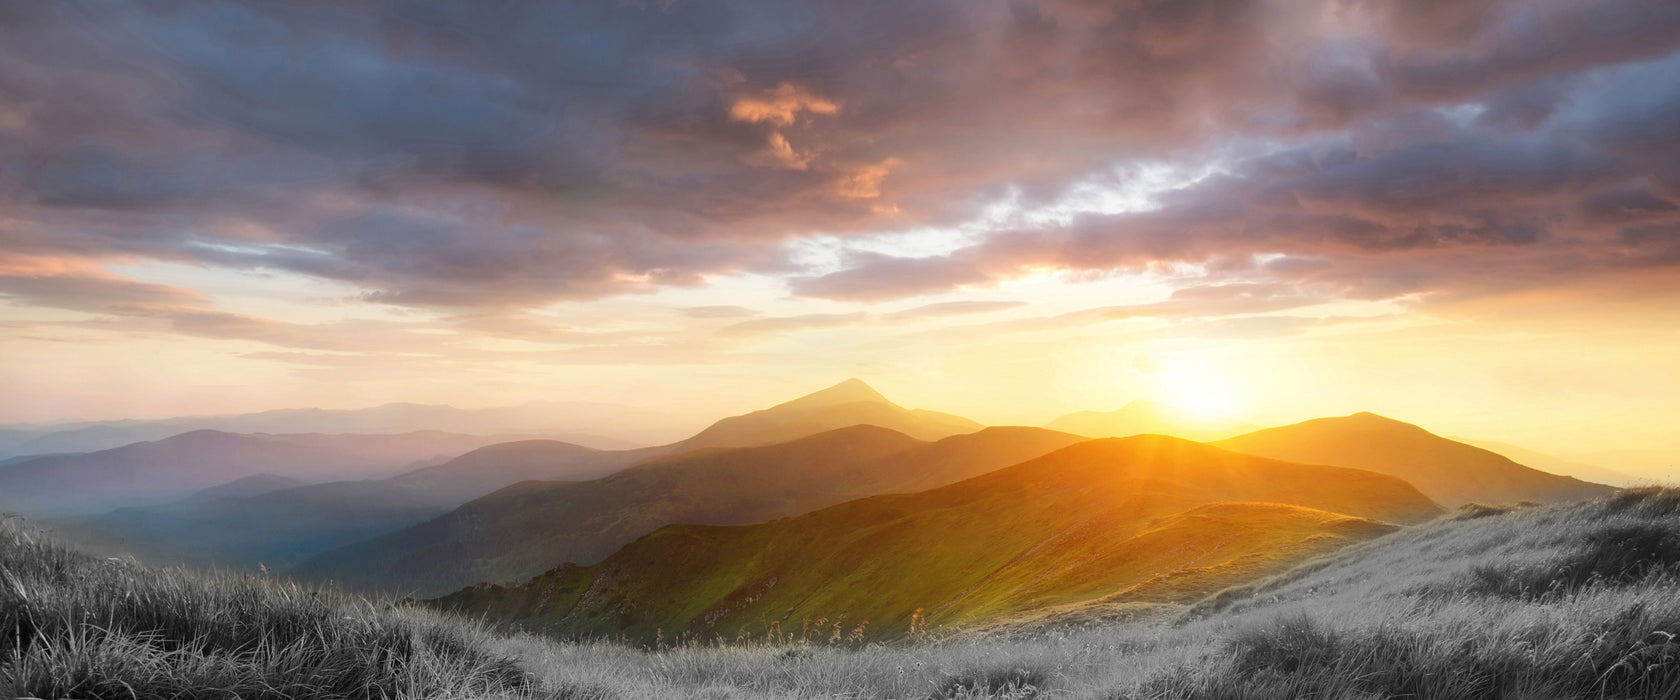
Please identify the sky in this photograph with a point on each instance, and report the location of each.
(1460, 213)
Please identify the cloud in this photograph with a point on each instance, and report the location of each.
(80, 286)
(1456, 209)
(877, 276)
(722, 311)
(497, 157)
(791, 324)
(781, 106)
(952, 308)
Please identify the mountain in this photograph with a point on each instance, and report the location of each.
(493, 467)
(253, 485)
(1556, 465)
(601, 426)
(281, 527)
(25, 458)
(175, 467)
(1451, 473)
(527, 528)
(1652, 463)
(851, 402)
(1147, 417)
(1145, 519)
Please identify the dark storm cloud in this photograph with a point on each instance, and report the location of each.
(508, 154)
(1457, 207)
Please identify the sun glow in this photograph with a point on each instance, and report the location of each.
(1199, 390)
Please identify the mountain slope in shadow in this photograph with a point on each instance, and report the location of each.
(1145, 519)
(527, 528)
(1452, 473)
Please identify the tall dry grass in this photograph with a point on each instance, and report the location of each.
(1579, 601)
(1585, 603)
(74, 626)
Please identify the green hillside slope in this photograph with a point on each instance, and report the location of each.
(1164, 518)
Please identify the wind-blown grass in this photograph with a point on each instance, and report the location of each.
(1579, 601)
(1593, 615)
(72, 625)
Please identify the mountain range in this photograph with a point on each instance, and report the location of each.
(840, 502)
(150, 473)
(622, 427)
(1557, 465)
(1142, 519)
(283, 526)
(1452, 473)
(239, 524)
(1148, 417)
(529, 527)
(851, 402)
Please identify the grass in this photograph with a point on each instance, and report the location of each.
(72, 625)
(1400, 616)
(1575, 601)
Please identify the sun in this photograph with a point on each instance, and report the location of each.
(1197, 390)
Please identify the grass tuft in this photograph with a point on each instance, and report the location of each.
(1613, 556)
(72, 625)
(1015, 682)
(1473, 511)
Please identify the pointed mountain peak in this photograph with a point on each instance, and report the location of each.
(852, 390)
(1372, 420)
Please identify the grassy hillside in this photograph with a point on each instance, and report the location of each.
(851, 402)
(74, 626)
(1576, 601)
(1147, 417)
(1451, 473)
(1143, 519)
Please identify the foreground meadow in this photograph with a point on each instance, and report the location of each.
(1534, 602)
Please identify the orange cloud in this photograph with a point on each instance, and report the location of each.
(865, 182)
(782, 152)
(780, 106)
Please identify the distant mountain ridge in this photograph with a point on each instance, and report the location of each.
(851, 402)
(530, 527)
(177, 466)
(282, 526)
(1452, 473)
(1557, 465)
(568, 421)
(1143, 417)
(1141, 519)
